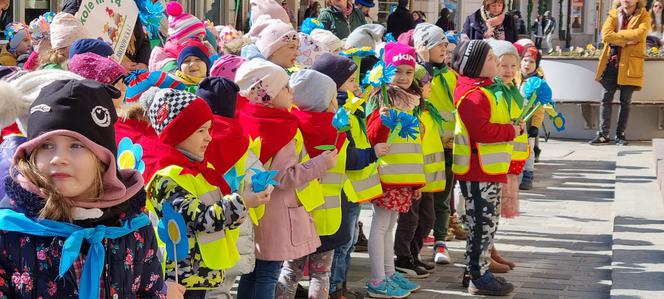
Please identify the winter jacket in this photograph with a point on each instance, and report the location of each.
(399, 21)
(475, 27)
(632, 57)
(334, 21)
(7, 149)
(142, 133)
(29, 264)
(6, 58)
(475, 112)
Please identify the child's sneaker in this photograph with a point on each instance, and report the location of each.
(440, 254)
(428, 241)
(386, 289)
(403, 282)
(527, 180)
(407, 266)
(429, 267)
(489, 285)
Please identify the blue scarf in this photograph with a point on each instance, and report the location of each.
(94, 262)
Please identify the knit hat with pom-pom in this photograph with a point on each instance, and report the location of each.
(174, 114)
(182, 25)
(20, 93)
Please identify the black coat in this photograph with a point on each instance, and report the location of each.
(399, 21)
(475, 27)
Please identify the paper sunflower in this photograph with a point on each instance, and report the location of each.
(358, 52)
(173, 231)
(380, 74)
(559, 122)
(130, 155)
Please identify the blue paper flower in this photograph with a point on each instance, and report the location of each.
(380, 74)
(234, 181)
(409, 125)
(390, 121)
(541, 88)
(150, 14)
(130, 155)
(172, 230)
(389, 38)
(559, 122)
(309, 24)
(358, 52)
(262, 178)
(340, 121)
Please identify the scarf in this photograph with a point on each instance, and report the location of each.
(173, 156)
(229, 144)
(347, 11)
(317, 129)
(94, 262)
(494, 25)
(188, 80)
(275, 127)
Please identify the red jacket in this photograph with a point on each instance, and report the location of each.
(475, 113)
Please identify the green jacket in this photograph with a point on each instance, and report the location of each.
(334, 21)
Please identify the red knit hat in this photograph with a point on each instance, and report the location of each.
(175, 114)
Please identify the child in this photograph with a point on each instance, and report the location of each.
(530, 67)
(278, 43)
(66, 189)
(226, 66)
(482, 153)
(91, 45)
(41, 39)
(432, 46)
(401, 183)
(193, 64)
(327, 38)
(314, 94)
(186, 181)
(101, 69)
(360, 163)
(286, 231)
(18, 35)
(65, 30)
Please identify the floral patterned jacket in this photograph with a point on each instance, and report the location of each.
(29, 264)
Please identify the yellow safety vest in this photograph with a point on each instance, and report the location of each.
(364, 184)
(494, 158)
(404, 163)
(310, 194)
(521, 150)
(328, 216)
(434, 154)
(218, 249)
(442, 98)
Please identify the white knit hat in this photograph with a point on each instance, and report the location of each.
(260, 81)
(331, 41)
(65, 30)
(365, 36)
(501, 48)
(20, 93)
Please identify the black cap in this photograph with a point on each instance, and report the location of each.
(221, 94)
(82, 106)
(337, 67)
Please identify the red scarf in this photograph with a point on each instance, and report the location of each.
(317, 129)
(172, 156)
(229, 144)
(133, 129)
(241, 102)
(276, 127)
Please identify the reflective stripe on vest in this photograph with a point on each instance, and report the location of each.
(494, 158)
(434, 155)
(328, 216)
(364, 183)
(218, 249)
(404, 163)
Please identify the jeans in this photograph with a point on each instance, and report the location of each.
(413, 226)
(341, 261)
(261, 283)
(442, 202)
(610, 83)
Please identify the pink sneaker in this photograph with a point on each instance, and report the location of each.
(429, 241)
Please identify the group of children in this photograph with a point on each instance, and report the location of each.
(266, 156)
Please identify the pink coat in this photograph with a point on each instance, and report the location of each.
(287, 231)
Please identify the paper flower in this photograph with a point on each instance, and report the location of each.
(409, 125)
(262, 178)
(234, 181)
(353, 103)
(340, 120)
(173, 231)
(380, 74)
(130, 155)
(541, 88)
(358, 52)
(309, 24)
(559, 122)
(390, 121)
(150, 14)
(389, 38)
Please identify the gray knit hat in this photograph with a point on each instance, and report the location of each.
(502, 48)
(312, 90)
(365, 36)
(469, 57)
(428, 35)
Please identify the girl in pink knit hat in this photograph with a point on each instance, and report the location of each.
(278, 43)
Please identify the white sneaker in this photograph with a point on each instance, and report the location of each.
(440, 254)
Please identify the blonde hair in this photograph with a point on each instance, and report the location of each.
(640, 4)
(55, 56)
(57, 207)
(132, 111)
(486, 3)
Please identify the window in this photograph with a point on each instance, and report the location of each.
(578, 13)
(384, 9)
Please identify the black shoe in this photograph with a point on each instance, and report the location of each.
(489, 285)
(537, 152)
(621, 140)
(465, 281)
(600, 140)
(406, 266)
(429, 267)
(301, 292)
(362, 242)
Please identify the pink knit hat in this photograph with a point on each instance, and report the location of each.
(226, 66)
(274, 36)
(406, 38)
(182, 25)
(65, 30)
(270, 8)
(95, 67)
(398, 54)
